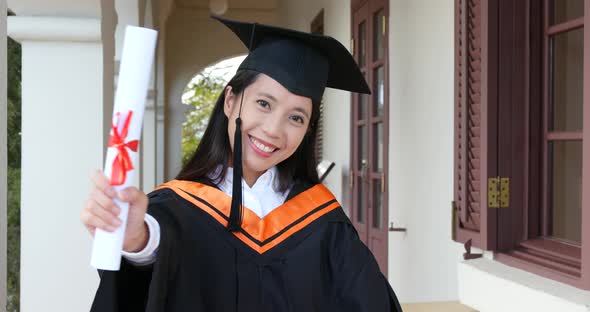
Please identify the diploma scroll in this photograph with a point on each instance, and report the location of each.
(134, 74)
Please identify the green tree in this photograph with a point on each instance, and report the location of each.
(13, 265)
(14, 173)
(14, 102)
(200, 95)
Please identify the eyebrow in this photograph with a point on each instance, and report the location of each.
(301, 110)
(271, 97)
(268, 96)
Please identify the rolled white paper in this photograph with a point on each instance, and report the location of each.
(134, 74)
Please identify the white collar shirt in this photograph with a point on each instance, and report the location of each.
(263, 197)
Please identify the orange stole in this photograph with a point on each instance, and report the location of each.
(263, 230)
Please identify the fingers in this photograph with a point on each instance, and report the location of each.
(102, 183)
(96, 216)
(105, 202)
(134, 197)
(90, 229)
(130, 194)
(102, 212)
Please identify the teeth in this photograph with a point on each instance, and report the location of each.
(261, 146)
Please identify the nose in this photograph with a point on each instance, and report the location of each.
(272, 126)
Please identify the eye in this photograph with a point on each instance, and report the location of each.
(298, 119)
(263, 103)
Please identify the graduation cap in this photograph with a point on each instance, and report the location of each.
(303, 63)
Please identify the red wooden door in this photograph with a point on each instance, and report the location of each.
(369, 124)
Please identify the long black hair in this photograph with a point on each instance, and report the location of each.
(215, 149)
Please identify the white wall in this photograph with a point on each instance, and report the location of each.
(422, 262)
(299, 15)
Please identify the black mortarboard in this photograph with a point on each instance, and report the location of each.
(305, 64)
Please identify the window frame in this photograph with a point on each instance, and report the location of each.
(523, 147)
(508, 82)
(549, 135)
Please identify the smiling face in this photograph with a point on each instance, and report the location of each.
(274, 123)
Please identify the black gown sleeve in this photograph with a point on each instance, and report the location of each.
(142, 288)
(360, 285)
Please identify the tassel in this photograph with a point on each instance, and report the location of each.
(235, 216)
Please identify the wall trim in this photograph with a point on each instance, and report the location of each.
(32, 28)
(488, 285)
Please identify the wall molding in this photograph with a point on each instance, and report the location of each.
(33, 28)
(488, 285)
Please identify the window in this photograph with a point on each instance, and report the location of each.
(369, 127)
(563, 123)
(522, 103)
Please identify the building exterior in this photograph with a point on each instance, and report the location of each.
(474, 134)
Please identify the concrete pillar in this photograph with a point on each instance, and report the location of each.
(3, 158)
(148, 144)
(63, 135)
(149, 141)
(139, 13)
(159, 107)
(159, 13)
(127, 14)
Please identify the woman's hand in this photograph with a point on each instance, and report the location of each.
(101, 212)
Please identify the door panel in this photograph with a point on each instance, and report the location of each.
(370, 129)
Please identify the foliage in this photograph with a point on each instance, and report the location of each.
(13, 266)
(200, 95)
(14, 102)
(13, 173)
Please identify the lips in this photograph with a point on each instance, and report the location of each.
(262, 147)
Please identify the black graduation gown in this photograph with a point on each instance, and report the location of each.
(303, 256)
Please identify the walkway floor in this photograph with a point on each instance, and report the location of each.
(437, 306)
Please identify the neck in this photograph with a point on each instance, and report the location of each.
(250, 176)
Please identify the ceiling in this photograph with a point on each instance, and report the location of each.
(232, 4)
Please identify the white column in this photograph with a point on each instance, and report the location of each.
(127, 14)
(3, 158)
(149, 147)
(148, 144)
(160, 12)
(62, 141)
(175, 115)
(160, 108)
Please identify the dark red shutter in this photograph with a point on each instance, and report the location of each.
(475, 121)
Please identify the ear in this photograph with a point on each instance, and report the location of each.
(228, 104)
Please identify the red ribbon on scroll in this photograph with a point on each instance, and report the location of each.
(122, 162)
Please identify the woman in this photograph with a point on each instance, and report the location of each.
(290, 247)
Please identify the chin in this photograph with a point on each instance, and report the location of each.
(259, 164)
(257, 167)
